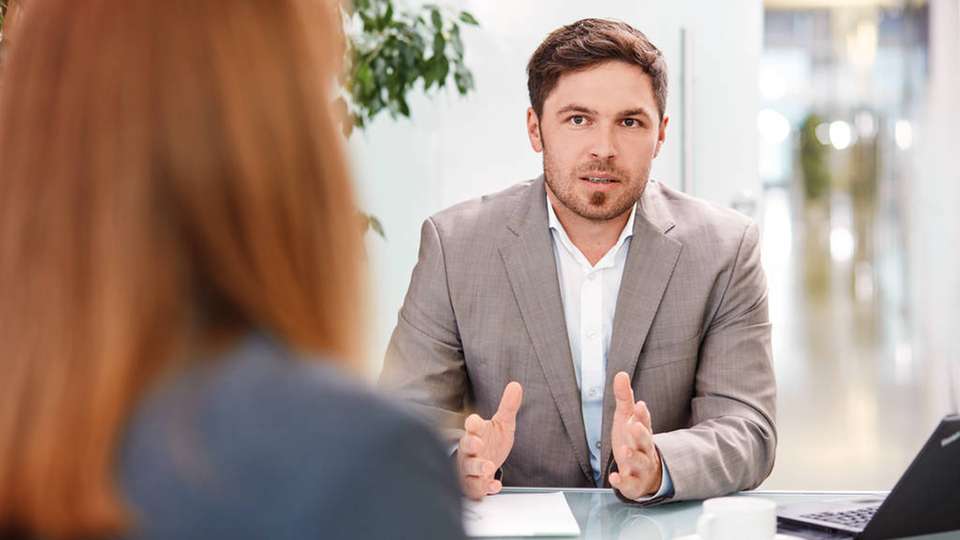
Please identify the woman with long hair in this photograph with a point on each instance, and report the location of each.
(179, 285)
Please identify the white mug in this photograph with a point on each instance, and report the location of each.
(738, 518)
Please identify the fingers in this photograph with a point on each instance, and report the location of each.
(478, 467)
(642, 414)
(640, 437)
(506, 414)
(626, 407)
(634, 447)
(474, 424)
(616, 481)
(630, 461)
(638, 474)
(627, 486)
(470, 445)
(476, 474)
(623, 395)
(476, 487)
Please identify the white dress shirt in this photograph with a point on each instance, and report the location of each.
(589, 296)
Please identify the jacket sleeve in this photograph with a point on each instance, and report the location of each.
(424, 364)
(731, 443)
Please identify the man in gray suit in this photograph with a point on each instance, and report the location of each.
(604, 329)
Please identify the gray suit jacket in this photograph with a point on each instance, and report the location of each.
(259, 444)
(690, 327)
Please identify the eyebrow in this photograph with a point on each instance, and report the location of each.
(576, 108)
(638, 111)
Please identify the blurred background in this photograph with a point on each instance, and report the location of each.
(859, 232)
(831, 123)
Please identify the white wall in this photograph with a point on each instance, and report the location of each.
(934, 221)
(459, 148)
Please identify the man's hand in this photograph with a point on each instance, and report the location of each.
(486, 444)
(638, 463)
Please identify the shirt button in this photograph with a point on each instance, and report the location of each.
(598, 444)
(592, 334)
(593, 393)
(592, 276)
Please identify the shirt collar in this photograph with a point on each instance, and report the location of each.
(554, 223)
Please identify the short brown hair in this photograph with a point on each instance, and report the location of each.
(588, 42)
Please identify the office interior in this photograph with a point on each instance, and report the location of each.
(830, 123)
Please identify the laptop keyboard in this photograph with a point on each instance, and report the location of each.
(857, 519)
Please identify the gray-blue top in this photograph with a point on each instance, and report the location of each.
(257, 444)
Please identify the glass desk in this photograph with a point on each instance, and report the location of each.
(601, 515)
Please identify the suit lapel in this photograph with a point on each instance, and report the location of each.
(527, 252)
(650, 263)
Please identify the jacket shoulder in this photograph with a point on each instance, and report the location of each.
(479, 216)
(702, 224)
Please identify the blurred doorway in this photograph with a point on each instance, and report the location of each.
(840, 86)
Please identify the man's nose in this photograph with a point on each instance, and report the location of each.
(603, 145)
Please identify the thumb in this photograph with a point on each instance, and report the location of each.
(509, 405)
(623, 395)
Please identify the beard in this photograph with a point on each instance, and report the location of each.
(598, 205)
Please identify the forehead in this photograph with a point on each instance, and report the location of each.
(608, 87)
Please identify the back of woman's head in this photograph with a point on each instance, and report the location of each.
(169, 173)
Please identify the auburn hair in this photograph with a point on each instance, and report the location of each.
(169, 171)
(586, 43)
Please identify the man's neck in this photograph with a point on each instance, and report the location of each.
(593, 238)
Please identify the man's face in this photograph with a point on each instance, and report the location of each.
(599, 132)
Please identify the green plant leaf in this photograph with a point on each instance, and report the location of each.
(387, 15)
(357, 5)
(391, 51)
(363, 76)
(467, 18)
(439, 44)
(440, 70)
(387, 55)
(374, 224)
(463, 79)
(456, 42)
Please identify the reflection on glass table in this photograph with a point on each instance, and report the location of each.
(601, 515)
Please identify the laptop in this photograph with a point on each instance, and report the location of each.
(925, 500)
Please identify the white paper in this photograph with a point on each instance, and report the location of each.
(520, 514)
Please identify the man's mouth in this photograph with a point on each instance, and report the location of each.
(599, 179)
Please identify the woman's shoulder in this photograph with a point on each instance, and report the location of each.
(262, 394)
(260, 433)
(263, 377)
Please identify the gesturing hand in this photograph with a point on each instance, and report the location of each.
(638, 463)
(487, 443)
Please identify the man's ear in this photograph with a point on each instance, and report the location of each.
(533, 130)
(662, 135)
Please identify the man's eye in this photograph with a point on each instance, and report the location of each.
(578, 120)
(631, 122)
